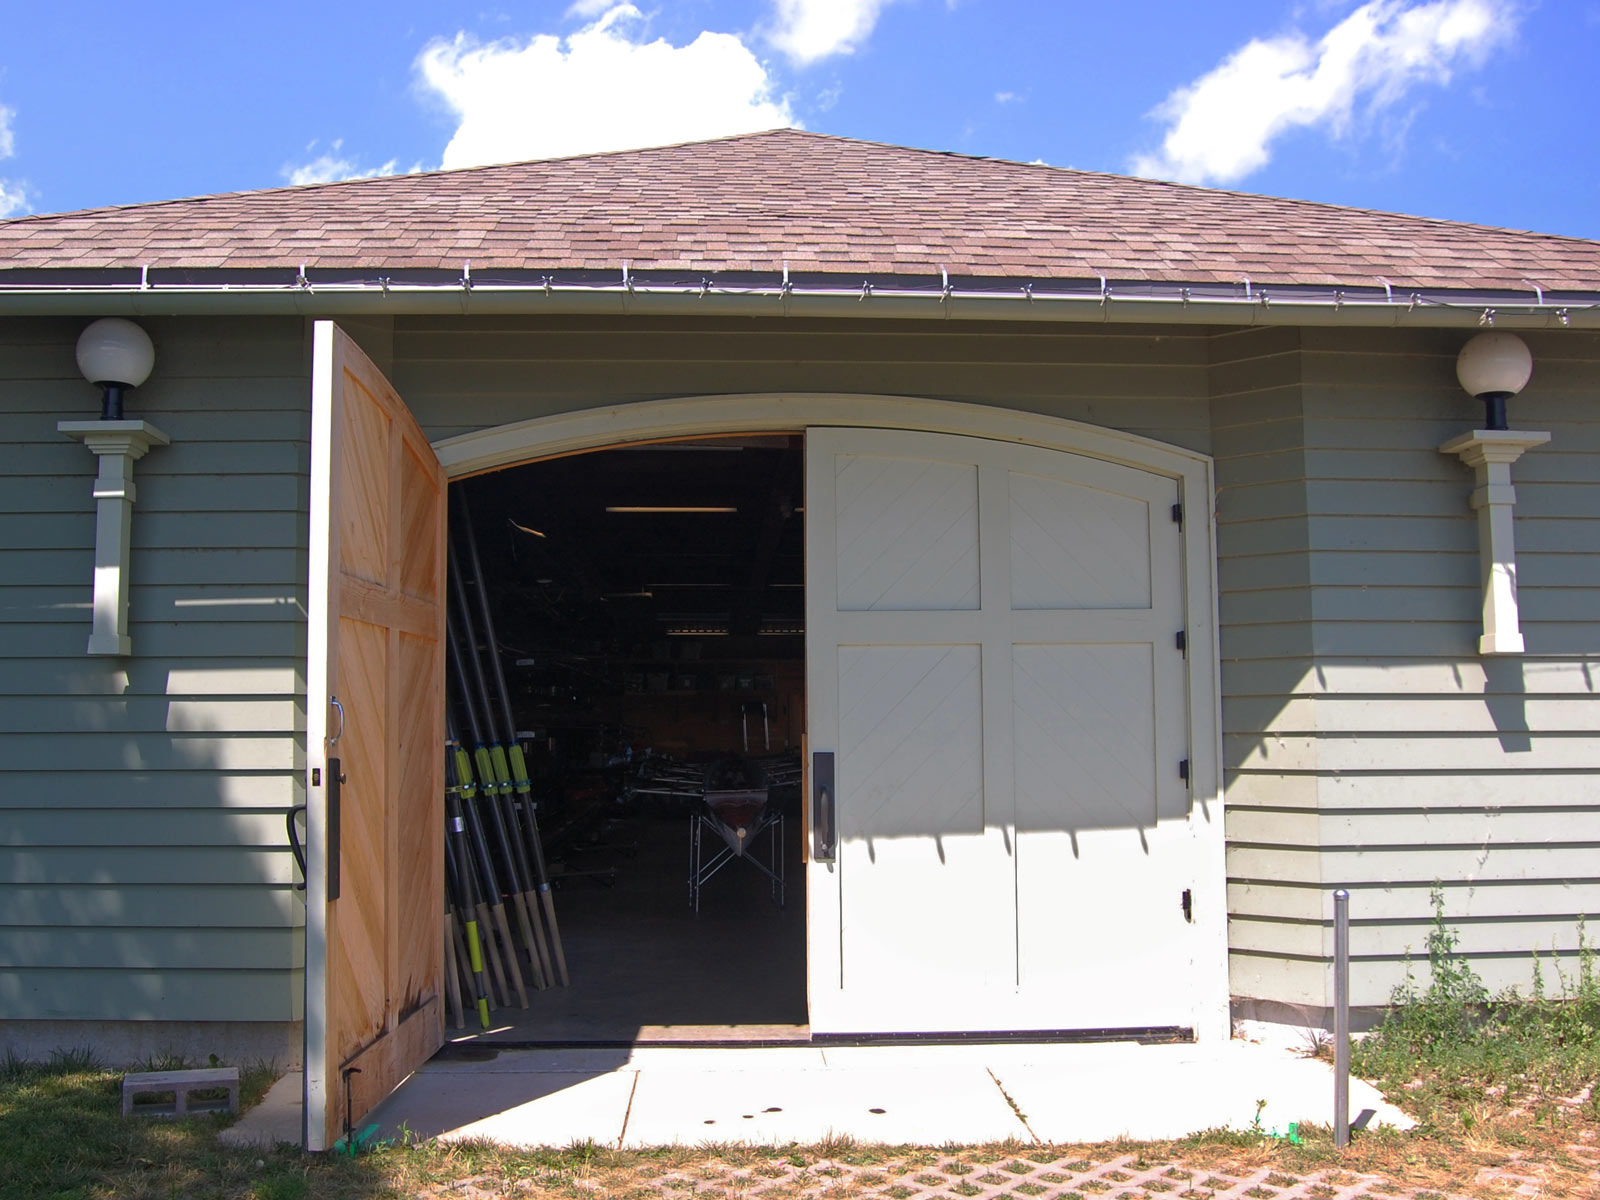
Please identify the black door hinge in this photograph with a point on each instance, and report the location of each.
(1182, 641)
(1188, 905)
(1177, 515)
(1183, 770)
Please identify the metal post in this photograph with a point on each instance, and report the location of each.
(1341, 1018)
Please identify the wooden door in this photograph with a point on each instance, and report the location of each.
(374, 739)
(992, 660)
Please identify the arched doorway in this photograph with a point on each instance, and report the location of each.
(1015, 691)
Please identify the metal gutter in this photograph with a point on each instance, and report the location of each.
(144, 292)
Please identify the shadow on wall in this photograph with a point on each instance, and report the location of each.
(1389, 775)
(146, 899)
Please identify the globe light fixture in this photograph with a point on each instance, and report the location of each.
(1494, 367)
(116, 356)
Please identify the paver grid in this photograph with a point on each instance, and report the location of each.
(963, 1177)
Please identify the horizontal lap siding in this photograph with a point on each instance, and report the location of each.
(1401, 757)
(1263, 577)
(143, 867)
(466, 374)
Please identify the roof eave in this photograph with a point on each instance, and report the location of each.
(755, 294)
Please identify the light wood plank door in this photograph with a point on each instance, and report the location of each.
(992, 659)
(374, 739)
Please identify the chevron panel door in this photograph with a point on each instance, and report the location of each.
(991, 660)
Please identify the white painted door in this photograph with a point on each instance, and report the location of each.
(992, 661)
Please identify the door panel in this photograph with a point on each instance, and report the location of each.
(1014, 831)
(375, 688)
(906, 534)
(1074, 546)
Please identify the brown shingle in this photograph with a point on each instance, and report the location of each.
(817, 202)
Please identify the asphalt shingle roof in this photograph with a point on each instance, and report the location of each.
(815, 202)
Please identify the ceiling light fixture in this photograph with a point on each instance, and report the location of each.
(670, 508)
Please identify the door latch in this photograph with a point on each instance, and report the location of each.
(1188, 905)
(823, 811)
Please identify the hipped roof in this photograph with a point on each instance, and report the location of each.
(809, 202)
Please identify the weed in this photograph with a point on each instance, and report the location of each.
(1450, 1046)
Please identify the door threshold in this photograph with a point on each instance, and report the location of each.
(1145, 1035)
(709, 1037)
(665, 1036)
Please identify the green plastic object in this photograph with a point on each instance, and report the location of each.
(354, 1144)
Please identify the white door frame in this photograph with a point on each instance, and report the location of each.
(655, 420)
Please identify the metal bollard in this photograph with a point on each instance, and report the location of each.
(1341, 1018)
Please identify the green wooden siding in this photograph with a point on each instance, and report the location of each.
(143, 873)
(459, 375)
(1369, 746)
(143, 867)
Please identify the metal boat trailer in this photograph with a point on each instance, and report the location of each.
(735, 807)
(738, 844)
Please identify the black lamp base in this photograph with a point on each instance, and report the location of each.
(111, 402)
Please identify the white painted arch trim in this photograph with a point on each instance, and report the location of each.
(760, 412)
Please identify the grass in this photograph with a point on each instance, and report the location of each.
(1502, 1085)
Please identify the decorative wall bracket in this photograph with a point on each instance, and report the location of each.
(117, 445)
(1490, 453)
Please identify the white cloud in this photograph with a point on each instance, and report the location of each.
(333, 166)
(601, 88)
(13, 194)
(1220, 127)
(1007, 97)
(809, 30)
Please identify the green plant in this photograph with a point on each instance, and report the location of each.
(1450, 1045)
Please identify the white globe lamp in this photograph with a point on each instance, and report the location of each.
(1494, 367)
(117, 356)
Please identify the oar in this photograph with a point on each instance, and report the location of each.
(459, 877)
(492, 764)
(452, 967)
(491, 904)
(518, 765)
(496, 791)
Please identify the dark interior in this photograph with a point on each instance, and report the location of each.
(649, 606)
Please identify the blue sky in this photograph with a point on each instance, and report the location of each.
(1472, 110)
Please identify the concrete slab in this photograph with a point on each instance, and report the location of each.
(275, 1121)
(1171, 1091)
(928, 1095)
(514, 1108)
(868, 1102)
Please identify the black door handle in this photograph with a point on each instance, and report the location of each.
(823, 814)
(295, 848)
(335, 778)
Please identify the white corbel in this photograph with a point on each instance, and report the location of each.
(1490, 453)
(117, 445)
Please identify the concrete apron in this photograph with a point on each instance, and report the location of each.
(927, 1095)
